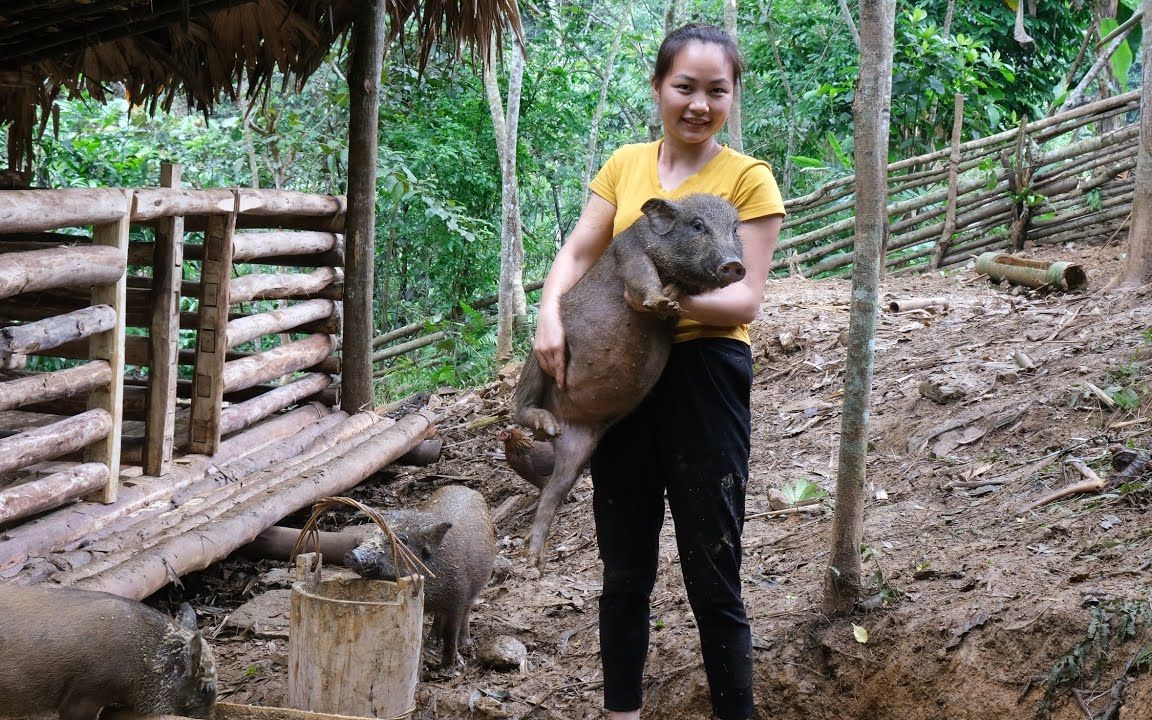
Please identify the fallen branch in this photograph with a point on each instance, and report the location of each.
(1091, 483)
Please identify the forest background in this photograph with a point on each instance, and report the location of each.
(585, 91)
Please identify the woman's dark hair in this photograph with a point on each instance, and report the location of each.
(696, 32)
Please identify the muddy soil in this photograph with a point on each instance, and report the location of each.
(976, 607)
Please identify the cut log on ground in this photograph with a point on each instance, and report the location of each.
(62, 528)
(42, 387)
(265, 366)
(423, 454)
(278, 286)
(36, 337)
(79, 266)
(53, 440)
(37, 496)
(277, 321)
(240, 415)
(145, 573)
(276, 543)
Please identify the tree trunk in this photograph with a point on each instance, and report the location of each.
(1137, 268)
(735, 117)
(512, 305)
(360, 231)
(598, 115)
(871, 111)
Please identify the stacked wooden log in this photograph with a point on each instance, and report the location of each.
(30, 458)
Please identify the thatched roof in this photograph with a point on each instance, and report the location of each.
(201, 49)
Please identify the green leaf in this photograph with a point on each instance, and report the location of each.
(803, 161)
(801, 490)
(860, 633)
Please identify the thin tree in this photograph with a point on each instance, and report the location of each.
(735, 117)
(1137, 268)
(598, 115)
(512, 305)
(871, 111)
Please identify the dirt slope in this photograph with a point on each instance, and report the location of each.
(977, 610)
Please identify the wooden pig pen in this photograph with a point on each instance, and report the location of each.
(187, 450)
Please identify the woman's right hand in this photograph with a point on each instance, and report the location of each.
(549, 344)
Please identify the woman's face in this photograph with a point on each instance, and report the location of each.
(695, 96)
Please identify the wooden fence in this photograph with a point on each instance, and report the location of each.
(111, 296)
(1066, 177)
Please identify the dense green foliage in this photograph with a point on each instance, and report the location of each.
(439, 184)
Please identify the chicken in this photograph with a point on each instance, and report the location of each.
(531, 459)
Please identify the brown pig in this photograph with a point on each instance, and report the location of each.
(78, 652)
(615, 353)
(452, 535)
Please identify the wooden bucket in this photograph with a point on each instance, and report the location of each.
(354, 645)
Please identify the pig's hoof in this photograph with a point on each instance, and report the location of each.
(541, 422)
(663, 306)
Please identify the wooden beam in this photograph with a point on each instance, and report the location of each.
(164, 334)
(109, 346)
(42, 210)
(43, 335)
(265, 366)
(368, 38)
(251, 246)
(241, 415)
(212, 337)
(278, 286)
(277, 321)
(53, 440)
(78, 266)
(32, 498)
(165, 202)
(42, 387)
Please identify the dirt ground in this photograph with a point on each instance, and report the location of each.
(976, 608)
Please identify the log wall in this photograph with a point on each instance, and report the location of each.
(193, 313)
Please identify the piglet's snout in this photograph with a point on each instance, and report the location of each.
(732, 271)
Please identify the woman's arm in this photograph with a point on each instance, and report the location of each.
(592, 234)
(738, 303)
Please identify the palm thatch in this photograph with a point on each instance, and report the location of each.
(203, 50)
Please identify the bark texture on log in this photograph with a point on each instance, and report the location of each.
(37, 337)
(250, 246)
(277, 321)
(265, 366)
(35, 497)
(336, 472)
(164, 202)
(240, 415)
(42, 387)
(58, 530)
(40, 210)
(290, 202)
(53, 440)
(78, 266)
(278, 286)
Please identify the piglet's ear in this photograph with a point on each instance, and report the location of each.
(187, 617)
(661, 214)
(437, 531)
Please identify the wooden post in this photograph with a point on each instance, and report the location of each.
(360, 225)
(109, 346)
(945, 240)
(212, 337)
(164, 333)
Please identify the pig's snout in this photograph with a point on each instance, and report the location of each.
(732, 271)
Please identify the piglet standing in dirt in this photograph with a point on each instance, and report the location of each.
(452, 535)
(76, 652)
(616, 353)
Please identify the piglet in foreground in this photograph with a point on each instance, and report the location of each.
(78, 652)
(615, 353)
(452, 535)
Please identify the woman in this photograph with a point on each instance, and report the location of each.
(689, 439)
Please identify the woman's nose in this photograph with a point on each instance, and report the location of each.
(699, 103)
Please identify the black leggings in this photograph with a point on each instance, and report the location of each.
(689, 438)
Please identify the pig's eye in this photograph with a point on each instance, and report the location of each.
(698, 225)
(402, 538)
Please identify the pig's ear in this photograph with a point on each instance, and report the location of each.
(437, 531)
(661, 213)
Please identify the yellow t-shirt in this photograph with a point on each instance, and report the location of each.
(630, 178)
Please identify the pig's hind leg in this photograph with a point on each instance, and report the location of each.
(572, 449)
(529, 398)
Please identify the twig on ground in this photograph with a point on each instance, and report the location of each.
(1091, 483)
